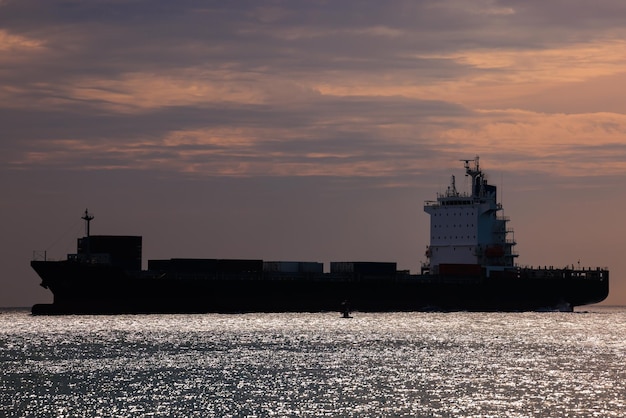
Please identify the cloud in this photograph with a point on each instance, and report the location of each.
(579, 145)
(332, 136)
(13, 43)
(309, 89)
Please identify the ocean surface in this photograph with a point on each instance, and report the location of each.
(310, 365)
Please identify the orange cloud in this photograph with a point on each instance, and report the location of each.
(567, 141)
(519, 73)
(10, 42)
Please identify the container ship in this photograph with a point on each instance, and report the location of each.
(470, 266)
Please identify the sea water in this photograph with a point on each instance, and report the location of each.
(310, 365)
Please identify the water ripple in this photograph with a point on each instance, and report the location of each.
(258, 365)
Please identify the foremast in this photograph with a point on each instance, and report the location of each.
(467, 230)
(87, 217)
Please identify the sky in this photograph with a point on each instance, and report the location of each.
(308, 130)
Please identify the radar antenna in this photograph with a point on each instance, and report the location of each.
(87, 217)
(476, 175)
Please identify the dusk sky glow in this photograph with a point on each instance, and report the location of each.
(309, 131)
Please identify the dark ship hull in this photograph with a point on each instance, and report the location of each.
(83, 288)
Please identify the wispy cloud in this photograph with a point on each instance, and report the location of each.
(282, 89)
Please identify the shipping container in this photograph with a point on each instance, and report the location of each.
(239, 266)
(193, 265)
(471, 270)
(311, 267)
(364, 268)
(206, 265)
(293, 267)
(281, 266)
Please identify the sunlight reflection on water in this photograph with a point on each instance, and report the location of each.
(398, 364)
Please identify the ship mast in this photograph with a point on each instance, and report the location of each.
(476, 175)
(87, 217)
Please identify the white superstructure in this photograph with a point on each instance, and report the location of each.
(466, 229)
